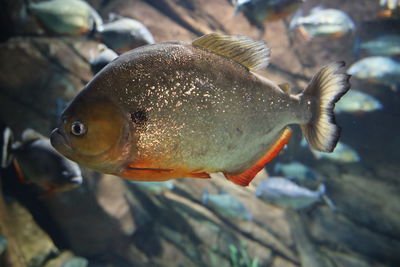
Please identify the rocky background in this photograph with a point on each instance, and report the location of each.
(110, 222)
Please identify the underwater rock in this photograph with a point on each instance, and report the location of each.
(38, 76)
(67, 259)
(34, 243)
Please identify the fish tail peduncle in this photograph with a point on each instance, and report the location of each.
(325, 89)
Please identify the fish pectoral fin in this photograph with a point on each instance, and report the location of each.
(244, 178)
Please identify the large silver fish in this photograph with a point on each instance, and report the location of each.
(176, 109)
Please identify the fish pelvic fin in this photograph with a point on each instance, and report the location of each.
(320, 96)
(247, 52)
(244, 178)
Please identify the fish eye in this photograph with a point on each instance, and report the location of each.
(78, 128)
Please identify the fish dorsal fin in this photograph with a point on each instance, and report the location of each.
(248, 52)
(285, 87)
(31, 135)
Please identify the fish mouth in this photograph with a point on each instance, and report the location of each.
(76, 180)
(59, 141)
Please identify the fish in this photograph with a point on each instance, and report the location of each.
(285, 193)
(101, 60)
(177, 109)
(66, 17)
(124, 34)
(385, 45)
(226, 205)
(378, 69)
(322, 22)
(154, 187)
(391, 4)
(343, 153)
(76, 262)
(3, 244)
(37, 162)
(296, 170)
(258, 12)
(358, 102)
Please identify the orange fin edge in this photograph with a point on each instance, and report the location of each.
(244, 178)
(19, 172)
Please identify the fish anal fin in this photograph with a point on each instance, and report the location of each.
(244, 178)
(249, 53)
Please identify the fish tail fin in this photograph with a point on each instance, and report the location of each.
(6, 148)
(320, 96)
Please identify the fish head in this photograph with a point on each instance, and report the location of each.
(93, 132)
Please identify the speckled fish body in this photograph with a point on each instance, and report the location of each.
(201, 111)
(176, 109)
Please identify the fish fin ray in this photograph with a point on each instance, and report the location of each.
(244, 178)
(324, 90)
(248, 52)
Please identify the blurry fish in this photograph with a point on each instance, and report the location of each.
(69, 17)
(322, 22)
(391, 4)
(385, 45)
(141, 120)
(3, 244)
(76, 262)
(37, 162)
(259, 11)
(296, 170)
(155, 187)
(99, 62)
(226, 205)
(343, 153)
(285, 193)
(124, 34)
(357, 102)
(383, 70)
